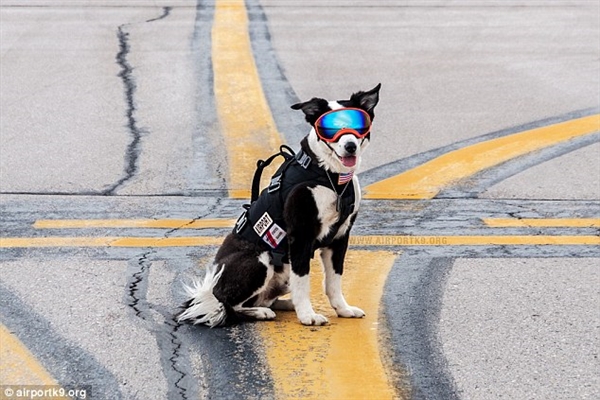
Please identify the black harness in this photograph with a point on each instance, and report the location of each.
(262, 221)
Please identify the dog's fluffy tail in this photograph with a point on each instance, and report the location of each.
(203, 307)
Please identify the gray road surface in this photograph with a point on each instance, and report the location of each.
(107, 111)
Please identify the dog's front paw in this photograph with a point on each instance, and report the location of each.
(350, 312)
(313, 319)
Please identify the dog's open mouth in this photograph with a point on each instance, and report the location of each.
(348, 161)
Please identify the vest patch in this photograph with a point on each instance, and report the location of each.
(345, 177)
(263, 223)
(274, 236)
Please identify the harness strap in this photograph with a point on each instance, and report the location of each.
(278, 258)
(262, 164)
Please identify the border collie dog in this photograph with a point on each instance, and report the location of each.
(311, 204)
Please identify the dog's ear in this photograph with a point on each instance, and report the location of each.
(367, 100)
(313, 109)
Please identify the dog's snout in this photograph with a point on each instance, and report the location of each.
(350, 147)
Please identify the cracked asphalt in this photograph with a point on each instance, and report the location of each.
(109, 112)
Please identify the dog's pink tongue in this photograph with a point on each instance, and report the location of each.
(349, 161)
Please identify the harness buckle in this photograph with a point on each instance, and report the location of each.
(275, 183)
(303, 159)
(241, 222)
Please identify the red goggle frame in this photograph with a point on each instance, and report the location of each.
(335, 123)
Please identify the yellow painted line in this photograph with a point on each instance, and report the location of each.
(192, 241)
(485, 240)
(133, 223)
(229, 223)
(341, 360)
(426, 180)
(542, 222)
(17, 365)
(367, 241)
(167, 242)
(246, 121)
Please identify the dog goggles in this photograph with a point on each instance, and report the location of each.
(333, 124)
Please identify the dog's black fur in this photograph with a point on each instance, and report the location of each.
(243, 283)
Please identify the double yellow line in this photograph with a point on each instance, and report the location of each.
(361, 241)
(244, 114)
(365, 240)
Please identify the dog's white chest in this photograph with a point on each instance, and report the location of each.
(326, 200)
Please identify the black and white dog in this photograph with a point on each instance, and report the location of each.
(318, 207)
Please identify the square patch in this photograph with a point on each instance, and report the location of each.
(263, 223)
(274, 236)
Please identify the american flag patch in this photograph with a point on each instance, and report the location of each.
(345, 177)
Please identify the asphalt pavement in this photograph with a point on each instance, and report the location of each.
(120, 171)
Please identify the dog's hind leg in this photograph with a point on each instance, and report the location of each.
(283, 305)
(278, 286)
(258, 313)
(333, 264)
(254, 307)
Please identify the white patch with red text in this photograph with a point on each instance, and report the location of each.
(263, 223)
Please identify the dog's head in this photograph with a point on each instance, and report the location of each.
(340, 129)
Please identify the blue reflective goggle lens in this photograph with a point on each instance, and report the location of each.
(346, 120)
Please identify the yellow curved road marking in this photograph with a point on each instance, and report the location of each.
(337, 361)
(542, 222)
(133, 223)
(17, 365)
(246, 121)
(365, 241)
(428, 179)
